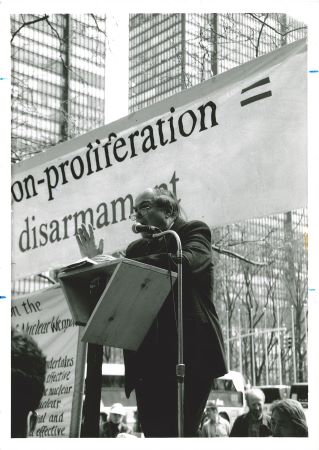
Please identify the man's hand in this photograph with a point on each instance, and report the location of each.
(86, 242)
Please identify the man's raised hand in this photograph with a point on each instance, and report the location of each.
(86, 242)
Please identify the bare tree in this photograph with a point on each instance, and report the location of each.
(264, 292)
(265, 33)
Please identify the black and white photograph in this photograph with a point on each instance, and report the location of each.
(161, 274)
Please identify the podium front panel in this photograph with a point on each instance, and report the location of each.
(128, 305)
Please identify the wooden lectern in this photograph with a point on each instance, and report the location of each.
(116, 300)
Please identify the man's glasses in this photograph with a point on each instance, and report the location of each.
(140, 212)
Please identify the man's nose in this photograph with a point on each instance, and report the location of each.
(139, 214)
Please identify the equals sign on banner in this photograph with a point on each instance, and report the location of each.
(257, 97)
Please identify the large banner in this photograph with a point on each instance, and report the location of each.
(45, 316)
(231, 148)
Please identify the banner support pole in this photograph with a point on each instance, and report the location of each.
(78, 392)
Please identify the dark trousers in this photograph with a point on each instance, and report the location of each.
(157, 404)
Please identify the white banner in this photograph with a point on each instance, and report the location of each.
(231, 148)
(45, 316)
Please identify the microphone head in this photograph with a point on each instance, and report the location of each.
(139, 228)
(136, 227)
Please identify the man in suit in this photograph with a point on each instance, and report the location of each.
(151, 370)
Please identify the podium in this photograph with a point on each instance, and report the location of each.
(116, 301)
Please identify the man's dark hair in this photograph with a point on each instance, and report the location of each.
(166, 200)
(28, 366)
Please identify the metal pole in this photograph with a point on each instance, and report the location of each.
(65, 104)
(240, 349)
(252, 340)
(253, 358)
(180, 367)
(266, 346)
(214, 40)
(77, 402)
(293, 344)
(183, 58)
(259, 332)
(279, 346)
(306, 327)
(306, 339)
(227, 339)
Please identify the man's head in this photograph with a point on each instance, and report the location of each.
(117, 412)
(211, 411)
(157, 207)
(288, 419)
(255, 400)
(27, 381)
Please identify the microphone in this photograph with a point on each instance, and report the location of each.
(139, 228)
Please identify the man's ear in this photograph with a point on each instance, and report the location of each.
(31, 422)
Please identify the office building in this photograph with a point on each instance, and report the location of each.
(172, 52)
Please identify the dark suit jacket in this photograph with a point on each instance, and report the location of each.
(203, 342)
(241, 424)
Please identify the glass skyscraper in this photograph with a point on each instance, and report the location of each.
(58, 77)
(171, 52)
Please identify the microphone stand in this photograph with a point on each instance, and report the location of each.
(180, 367)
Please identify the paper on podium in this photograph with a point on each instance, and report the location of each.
(81, 263)
(122, 304)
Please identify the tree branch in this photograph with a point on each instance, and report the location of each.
(45, 277)
(97, 25)
(223, 251)
(260, 33)
(25, 24)
(53, 29)
(274, 29)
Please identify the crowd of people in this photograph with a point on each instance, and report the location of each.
(286, 419)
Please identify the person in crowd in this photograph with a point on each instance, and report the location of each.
(151, 370)
(255, 423)
(215, 426)
(115, 423)
(288, 419)
(28, 367)
(202, 421)
(102, 421)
